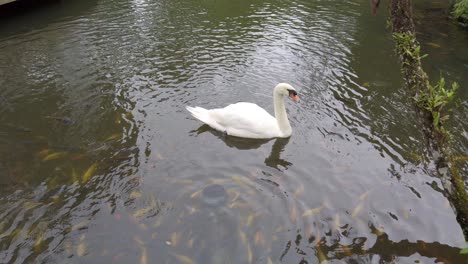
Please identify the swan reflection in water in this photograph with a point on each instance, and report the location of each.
(274, 160)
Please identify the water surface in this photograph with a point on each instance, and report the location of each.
(100, 162)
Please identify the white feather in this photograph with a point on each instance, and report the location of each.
(248, 120)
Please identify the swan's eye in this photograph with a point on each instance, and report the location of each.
(292, 92)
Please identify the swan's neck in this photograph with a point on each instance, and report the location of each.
(280, 114)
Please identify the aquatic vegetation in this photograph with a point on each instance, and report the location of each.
(460, 10)
(432, 104)
(464, 250)
(408, 47)
(436, 100)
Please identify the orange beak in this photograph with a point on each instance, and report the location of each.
(295, 98)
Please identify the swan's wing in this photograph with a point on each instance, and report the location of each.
(246, 120)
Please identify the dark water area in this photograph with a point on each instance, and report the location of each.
(101, 163)
(444, 40)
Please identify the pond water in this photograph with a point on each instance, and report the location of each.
(101, 163)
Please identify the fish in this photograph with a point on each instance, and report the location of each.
(190, 243)
(144, 256)
(356, 210)
(243, 237)
(299, 191)
(364, 195)
(347, 250)
(158, 222)
(249, 254)
(337, 222)
(175, 238)
(28, 205)
(312, 211)
(405, 212)
(241, 181)
(81, 249)
(138, 240)
(293, 213)
(68, 247)
(195, 194)
(43, 153)
(63, 120)
(79, 157)
(321, 256)
(55, 155)
(135, 194)
(250, 219)
(239, 205)
(434, 45)
(141, 212)
(114, 136)
(74, 175)
(234, 194)
(258, 238)
(80, 225)
(38, 243)
(89, 172)
(183, 259)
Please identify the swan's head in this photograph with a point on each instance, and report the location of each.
(287, 90)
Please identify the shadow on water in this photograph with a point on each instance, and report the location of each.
(274, 160)
(26, 15)
(383, 249)
(233, 142)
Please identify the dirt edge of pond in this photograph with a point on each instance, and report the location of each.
(417, 82)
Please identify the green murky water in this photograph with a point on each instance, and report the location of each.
(100, 162)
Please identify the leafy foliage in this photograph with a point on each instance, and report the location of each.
(460, 10)
(436, 99)
(406, 44)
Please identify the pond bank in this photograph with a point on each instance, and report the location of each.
(460, 11)
(12, 7)
(429, 101)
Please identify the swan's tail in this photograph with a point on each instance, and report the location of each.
(203, 115)
(199, 113)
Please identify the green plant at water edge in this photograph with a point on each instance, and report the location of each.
(460, 10)
(435, 100)
(407, 45)
(464, 250)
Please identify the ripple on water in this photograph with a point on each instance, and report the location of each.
(349, 185)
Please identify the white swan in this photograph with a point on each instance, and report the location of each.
(249, 120)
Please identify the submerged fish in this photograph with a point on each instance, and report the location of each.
(357, 210)
(144, 256)
(434, 45)
(183, 259)
(81, 249)
(55, 155)
(312, 211)
(63, 120)
(175, 238)
(114, 136)
(89, 172)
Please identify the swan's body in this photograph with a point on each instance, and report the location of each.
(249, 120)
